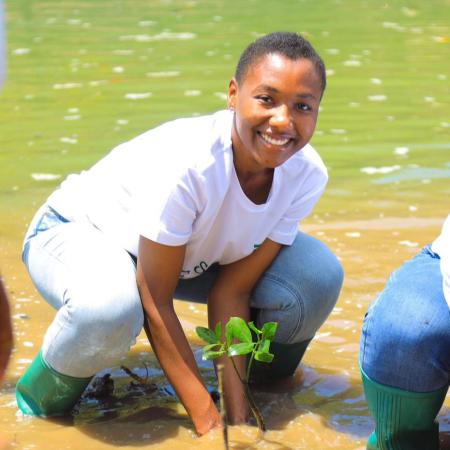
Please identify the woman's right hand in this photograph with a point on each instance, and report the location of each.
(207, 421)
(157, 275)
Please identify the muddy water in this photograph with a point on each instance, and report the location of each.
(85, 76)
(325, 409)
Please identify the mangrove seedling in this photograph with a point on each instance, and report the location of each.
(237, 341)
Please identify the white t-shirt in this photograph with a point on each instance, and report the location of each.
(441, 246)
(176, 184)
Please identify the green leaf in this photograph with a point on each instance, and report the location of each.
(213, 355)
(264, 346)
(207, 335)
(268, 330)
(243, 348)
(264, 357)
(217, 347)
(218, 331)
(237, 328)
(252, 326)
(262, 353)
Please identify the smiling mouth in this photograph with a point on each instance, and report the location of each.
(274, 141)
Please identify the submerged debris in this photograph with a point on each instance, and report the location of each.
(101, 387)
(136, 377)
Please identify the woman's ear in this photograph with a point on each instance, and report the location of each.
(232, 94)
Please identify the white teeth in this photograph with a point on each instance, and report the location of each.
(274, 141)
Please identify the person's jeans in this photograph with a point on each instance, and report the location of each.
(405, 340)
(91, 281)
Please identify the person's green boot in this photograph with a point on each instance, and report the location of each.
(404, 420)
(286, 359)
(42, 391)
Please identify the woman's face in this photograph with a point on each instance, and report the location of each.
(276, 106)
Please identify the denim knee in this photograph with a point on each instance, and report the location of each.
(405, 339)
(99, 320)
(404, 353)
(299, 290)
(108, 325)
(86, 337)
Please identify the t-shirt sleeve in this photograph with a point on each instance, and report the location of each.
(167, 215)
(286, 229)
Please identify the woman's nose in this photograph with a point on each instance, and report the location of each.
(281, 117)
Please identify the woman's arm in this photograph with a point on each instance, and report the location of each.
(158, 270)
(230, 296)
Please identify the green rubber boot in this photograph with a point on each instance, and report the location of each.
(286, 359)
(404, 420)
(42, 391)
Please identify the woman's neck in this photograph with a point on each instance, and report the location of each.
(256, 185)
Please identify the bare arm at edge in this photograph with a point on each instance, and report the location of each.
(6, 337)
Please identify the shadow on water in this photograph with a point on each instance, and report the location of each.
(142, 410)
(133, 413)
(147, 414)
(134, 429)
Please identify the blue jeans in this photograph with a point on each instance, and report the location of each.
(90, 281)
(405, 339)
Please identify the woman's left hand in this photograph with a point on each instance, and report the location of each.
(230, 296)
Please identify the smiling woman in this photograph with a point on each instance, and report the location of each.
(275, 93)
(204, 208)
(276, 110)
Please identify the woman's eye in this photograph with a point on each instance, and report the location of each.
(265, 99)
(303, 107)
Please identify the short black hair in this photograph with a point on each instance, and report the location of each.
(291, 45)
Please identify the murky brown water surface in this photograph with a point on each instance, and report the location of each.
(85, 76)
(326, 410)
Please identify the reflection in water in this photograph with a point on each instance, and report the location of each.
(419, 173)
